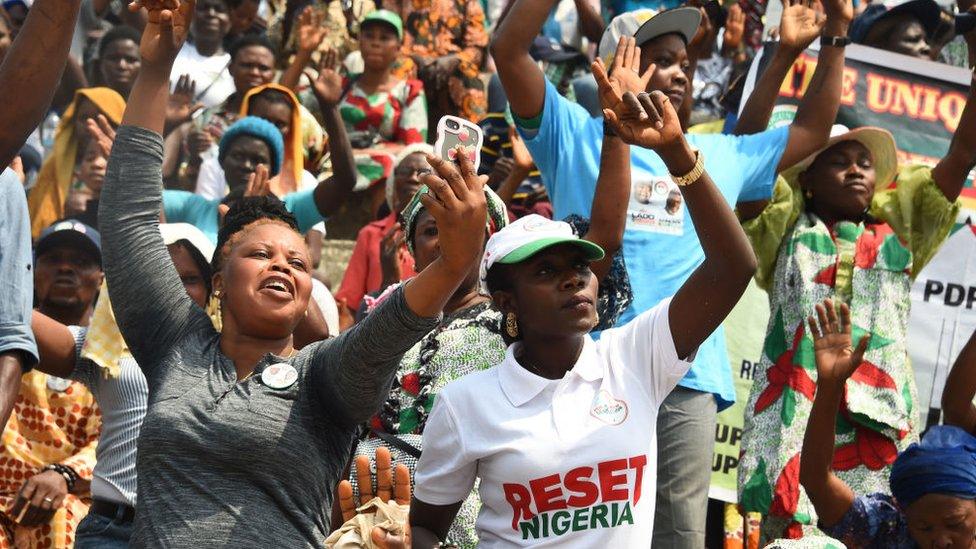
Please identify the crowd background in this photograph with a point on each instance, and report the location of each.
(331, 106)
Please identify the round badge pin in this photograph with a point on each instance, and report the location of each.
(58, 384)
(279, 376)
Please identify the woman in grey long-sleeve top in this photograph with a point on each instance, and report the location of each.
(236, 448)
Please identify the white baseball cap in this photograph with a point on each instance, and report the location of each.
(647, 24)
(528, 236)
(175, 232)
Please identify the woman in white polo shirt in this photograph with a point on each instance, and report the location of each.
(561, 434)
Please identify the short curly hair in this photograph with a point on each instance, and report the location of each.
(247, 211)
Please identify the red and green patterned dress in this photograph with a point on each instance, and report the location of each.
(383, 120)
(870, 266)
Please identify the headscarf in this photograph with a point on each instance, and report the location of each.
(258, 128)
(944, 462)
(294, 160)
(104, 344)
(497, 214)
(411, 149)
(46, 200)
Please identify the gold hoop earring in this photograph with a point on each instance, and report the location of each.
(511, 326)
(217, 294)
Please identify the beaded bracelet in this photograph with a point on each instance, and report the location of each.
(69, 474)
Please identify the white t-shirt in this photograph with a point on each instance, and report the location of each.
(569, 462)
(214, 83)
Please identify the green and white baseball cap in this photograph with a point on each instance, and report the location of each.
(527, 236)
(387, 17)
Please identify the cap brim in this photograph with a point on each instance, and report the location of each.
(682, 21)
(68, 238)
(592, 251)
(879, 141)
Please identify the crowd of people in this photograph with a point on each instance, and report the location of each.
(526, 346)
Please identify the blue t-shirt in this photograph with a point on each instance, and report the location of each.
(660, 245)
(186, 207)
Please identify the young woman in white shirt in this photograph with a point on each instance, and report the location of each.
(561, 434)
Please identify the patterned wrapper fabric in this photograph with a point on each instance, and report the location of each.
(47, 426)
(869, 265)
(434, 28)
(391, 118)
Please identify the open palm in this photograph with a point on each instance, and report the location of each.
(311, 32)
(836, 358)
(328, 84)
(645, 119)
(165, 32)
(801, 24)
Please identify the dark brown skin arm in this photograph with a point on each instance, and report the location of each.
(960, 388)
(831, 497)
(73, 79)
(11, 368)
(55, 345)
(591, 23)
(836, 362)
(951, 172)
(759, 107)
(332, 193)
(524, 83)
(707, 297)
(818, 109)
(608, 216)
(430, 523)
(34, 65)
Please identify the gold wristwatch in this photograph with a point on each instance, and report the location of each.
(694, 174)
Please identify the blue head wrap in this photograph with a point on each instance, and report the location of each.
(944, 462)
(258, 128)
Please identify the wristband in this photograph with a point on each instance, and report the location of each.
(835, 41)
(69, 474)
(695, 173)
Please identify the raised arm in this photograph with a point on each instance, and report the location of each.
(333, 192)
(951, 172)
(818, 109)
(591, 23)
(799, 26)
(355, 372)
(310, 33)
(524, 83)
(836, 361)
(151, 306)
(960, 388)
(34, 65)
(707, 297)
(608, 215)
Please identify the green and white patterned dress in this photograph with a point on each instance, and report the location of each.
(870, 266)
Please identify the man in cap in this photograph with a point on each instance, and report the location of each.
(662, 251)
(68, 271)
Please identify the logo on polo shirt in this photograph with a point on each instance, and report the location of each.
(607, 409)
(584, 498)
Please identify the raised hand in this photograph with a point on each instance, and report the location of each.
(390, 247)
(181, 101)
(839, 15)
(311, 31)
(456, 200)
(836, 357)
(151, 5)
(625, 75)
(102, 133)
(166, 30)
(704, 39)
(328, 85)
(258, 183)
(645, 119)
(800, 26)
(735, 28)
